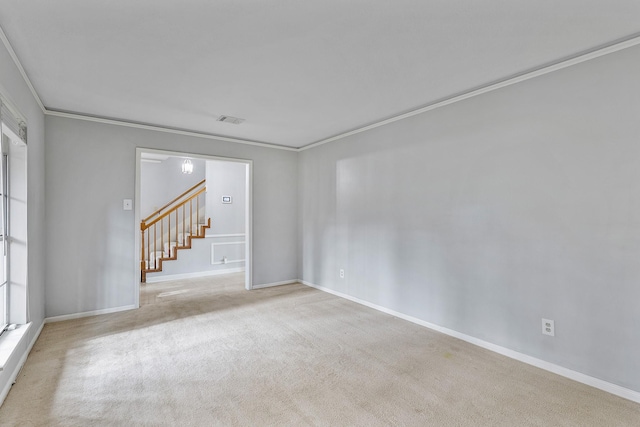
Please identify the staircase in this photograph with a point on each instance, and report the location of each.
(172, 228)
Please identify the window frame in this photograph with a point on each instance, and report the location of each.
(13, 150)
(4, 233)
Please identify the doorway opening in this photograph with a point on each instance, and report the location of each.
(193, 216)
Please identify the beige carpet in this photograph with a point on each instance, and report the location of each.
(206, 352)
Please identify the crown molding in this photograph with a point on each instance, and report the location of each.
(16, 61)
(620, 44)
(581, 57)
(165, 129)
(96, 119)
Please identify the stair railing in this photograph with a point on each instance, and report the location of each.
(159, 211)
(173, 227)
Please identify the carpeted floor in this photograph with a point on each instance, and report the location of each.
(206, 352)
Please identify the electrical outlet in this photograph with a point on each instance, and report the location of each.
(342, 273)
(548, 327)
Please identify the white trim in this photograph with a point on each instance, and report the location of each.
(14, 375)
(125, 123)
(248, 217)
(35, 338)
(574, 60)
(6, 130)
(137, 272)
(170, 277)
(577, 59)
(542, 364)
(10, 104)
(213, 253)
(229, 261)
(271, 285)
(11, 342)
(215, 236)
(18, 65)
(585, 56)
(192, 155)
(248, 227)
(64, 317)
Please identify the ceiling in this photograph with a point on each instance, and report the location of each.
(297, 71)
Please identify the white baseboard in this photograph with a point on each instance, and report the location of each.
(547, 366)
(88, 313)
(271, 285)
(14, 375)
(170, 277)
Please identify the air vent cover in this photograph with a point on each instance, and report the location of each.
(229, 119)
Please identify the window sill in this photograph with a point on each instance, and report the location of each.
(11, 341)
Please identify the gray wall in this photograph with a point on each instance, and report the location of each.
(90, 168)
(482, 217)
(197, 260)
(12, 85)
(489, 214)
(162, 182)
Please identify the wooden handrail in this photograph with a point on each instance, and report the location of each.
(144, 225)
(162, 243)
(175, 200)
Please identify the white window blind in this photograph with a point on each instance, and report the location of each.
(10, 117)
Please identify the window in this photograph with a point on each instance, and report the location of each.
(4, 225)
(13, 217)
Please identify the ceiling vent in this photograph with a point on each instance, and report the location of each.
(229, 119)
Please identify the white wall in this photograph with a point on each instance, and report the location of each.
(13, 85)
(489, 214)
(91, 240)
(162, 182)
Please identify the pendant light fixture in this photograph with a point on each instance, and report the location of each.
(187, 167)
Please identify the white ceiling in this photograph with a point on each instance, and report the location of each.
(297, 71)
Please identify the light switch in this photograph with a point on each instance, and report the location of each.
(127, 204)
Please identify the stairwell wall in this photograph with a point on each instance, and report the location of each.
(90, 168)
(227, 234)
(162, 182)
